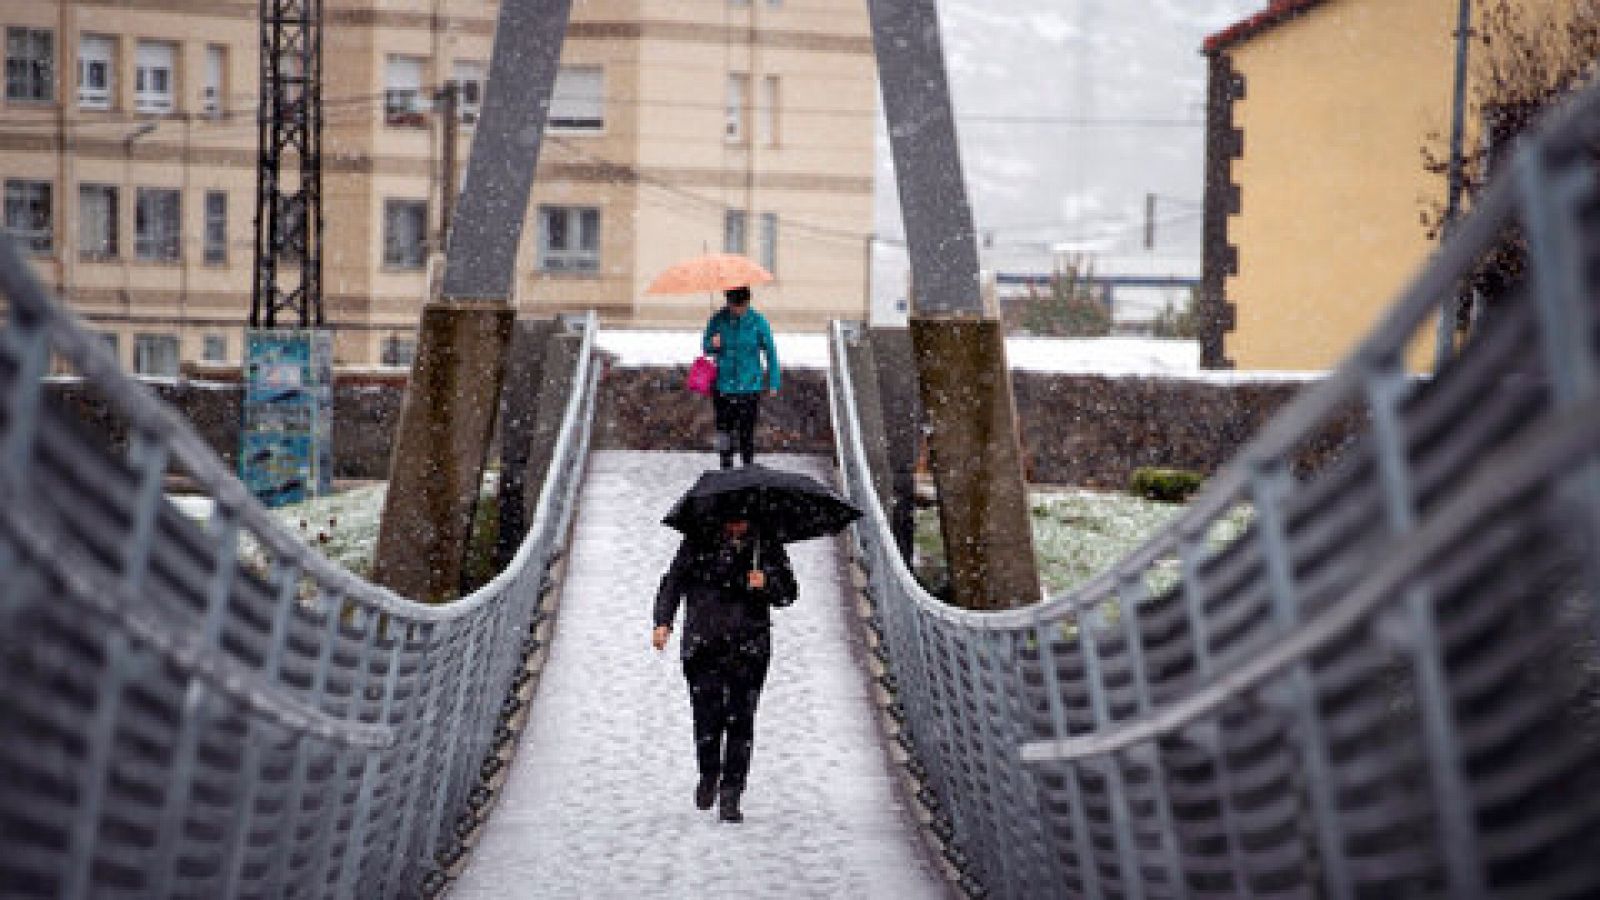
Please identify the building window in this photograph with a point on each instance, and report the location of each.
(113, 343)
(216, 242)
(155, 354)
(156, 225)
(96, 68)
(30, 65)
(569, 239)
(153, 76)
(28, 218)
(733, 120)
(769, 242)
(733, 230)
(215, 88)
(405, 233)
(398, 351)
(402, 92)
(767, 112)
(215, 349)
(578, 102)
(468, 80)
(97, 221)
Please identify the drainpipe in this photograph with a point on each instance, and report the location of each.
(1446, 338)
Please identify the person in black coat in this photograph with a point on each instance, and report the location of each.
(729, 580)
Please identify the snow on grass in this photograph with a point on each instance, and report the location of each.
(342, 526)
(1077, 535)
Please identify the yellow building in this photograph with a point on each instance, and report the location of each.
(128, 154)
(1319, 111)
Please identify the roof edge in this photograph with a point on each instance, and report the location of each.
(1276, 12)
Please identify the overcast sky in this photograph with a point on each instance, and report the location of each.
(1069, 113)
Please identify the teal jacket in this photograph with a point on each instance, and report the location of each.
(745, 341)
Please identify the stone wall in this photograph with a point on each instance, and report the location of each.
(1095, 431)
(1076, 429)
(649, 409)
(1083, 430)
(365, 410)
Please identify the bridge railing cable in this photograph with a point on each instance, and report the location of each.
(1383, 684)
(212, 708)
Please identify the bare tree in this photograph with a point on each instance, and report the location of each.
(1072, 306)
(1525, 58)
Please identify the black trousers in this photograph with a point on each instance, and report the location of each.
(724, 689)
(736, 425)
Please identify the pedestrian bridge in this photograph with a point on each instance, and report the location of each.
(1386, 686)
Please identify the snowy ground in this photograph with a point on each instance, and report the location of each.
(598, 803)
(1114, 356)
(1078, 534)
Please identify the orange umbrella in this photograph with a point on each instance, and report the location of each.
(712, 272)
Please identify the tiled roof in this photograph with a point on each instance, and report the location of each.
(1277, 11)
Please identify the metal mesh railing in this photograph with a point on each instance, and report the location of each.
(1386, 686)
(213, 709)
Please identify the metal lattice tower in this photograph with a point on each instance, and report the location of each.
(289, 210)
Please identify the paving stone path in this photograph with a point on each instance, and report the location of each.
(599, 800)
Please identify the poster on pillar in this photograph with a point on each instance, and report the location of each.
(286, 452)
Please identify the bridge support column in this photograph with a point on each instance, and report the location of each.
(455, 383)
(437, 463)
(902, 421)
(959, 346)
(977, 461)
(544, 357)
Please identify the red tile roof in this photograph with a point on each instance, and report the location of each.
(1277, 11)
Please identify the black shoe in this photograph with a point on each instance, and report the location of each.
(728, 811)
(705, 793)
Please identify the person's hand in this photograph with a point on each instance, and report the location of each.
(658, 638)
(716, 342)
(757, 579)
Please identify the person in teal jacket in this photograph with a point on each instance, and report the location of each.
(747, 364)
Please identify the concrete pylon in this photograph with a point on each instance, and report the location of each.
(959, 346)
(976, 457)
(448, 417)
(446, 422)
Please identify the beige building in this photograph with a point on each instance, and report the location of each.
(128, 153)
(1315, 184)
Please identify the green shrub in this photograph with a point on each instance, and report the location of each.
(1165, 485)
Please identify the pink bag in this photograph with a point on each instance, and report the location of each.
(702, 376)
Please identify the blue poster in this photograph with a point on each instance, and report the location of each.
(287, 455)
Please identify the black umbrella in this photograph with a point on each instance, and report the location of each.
(785, 506)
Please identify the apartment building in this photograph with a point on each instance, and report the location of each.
(128, 153)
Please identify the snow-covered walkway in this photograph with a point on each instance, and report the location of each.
(599, 800)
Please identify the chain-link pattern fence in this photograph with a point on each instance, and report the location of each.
(1385, 687)
(212, 709)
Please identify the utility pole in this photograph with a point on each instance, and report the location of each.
(1450, 314)
(289, 123)
(448, 106)
(286, 451)
(1149, 221)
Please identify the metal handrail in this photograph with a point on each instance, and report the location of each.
(1060, 705)
(361, 693)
